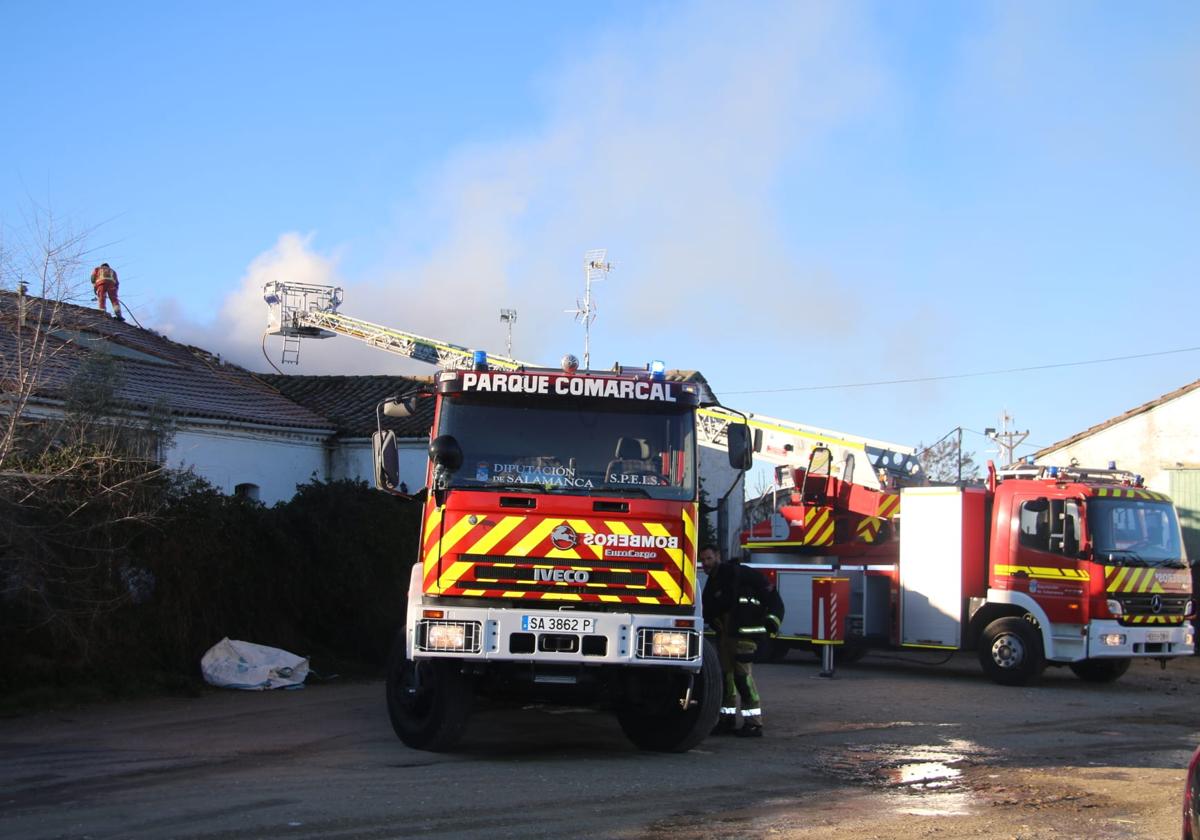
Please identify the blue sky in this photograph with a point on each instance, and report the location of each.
(795, 194)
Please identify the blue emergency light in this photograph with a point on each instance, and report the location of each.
(658, 369)
(480, 360)
(1053, 472)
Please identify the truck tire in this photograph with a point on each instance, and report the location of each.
(665, 727)
(428, 700)
(1100, 670)
(1010, 651)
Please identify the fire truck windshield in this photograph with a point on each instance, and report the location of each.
(572, 445)
(1135, 532)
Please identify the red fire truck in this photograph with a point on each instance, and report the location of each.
(558, 553)
(1042, 565)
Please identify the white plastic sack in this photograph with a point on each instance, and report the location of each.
(233, 664)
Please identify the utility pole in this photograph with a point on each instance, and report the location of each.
(959, 481)
(509, 317)
(1006, 441)
(595, 269)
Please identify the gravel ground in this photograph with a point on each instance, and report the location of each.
(889, 748)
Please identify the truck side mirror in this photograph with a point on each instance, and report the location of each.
(737, 439)
(387, 460)
(397, 407)
(446, 453)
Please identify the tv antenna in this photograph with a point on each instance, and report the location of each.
(509, 317)
(1006, 441)
(595, 269)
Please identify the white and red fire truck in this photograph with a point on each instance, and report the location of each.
(1042, 565)
(558, 553)
(558, 549)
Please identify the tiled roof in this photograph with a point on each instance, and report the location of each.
(350, 401)
(1133, 412)
(154, 369)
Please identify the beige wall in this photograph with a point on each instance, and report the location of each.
(1163, 438)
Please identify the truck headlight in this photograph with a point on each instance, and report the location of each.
(1189, 638)
(1113, 639)
(669, 644)
(446, 637)
(1114, 607)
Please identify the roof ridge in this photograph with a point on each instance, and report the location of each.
(1120, 418)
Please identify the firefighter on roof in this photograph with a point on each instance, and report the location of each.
(104, 282)
(744, 610)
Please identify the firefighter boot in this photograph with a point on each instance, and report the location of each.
(725, 725)
(752, 728)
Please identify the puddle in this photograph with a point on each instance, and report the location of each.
(952, 804)
(924, 779)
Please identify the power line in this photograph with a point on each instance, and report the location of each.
(964, 375)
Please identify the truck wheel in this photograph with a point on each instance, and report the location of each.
(1100, 670)
(656, 722)
(428, 700)
(1010, 651)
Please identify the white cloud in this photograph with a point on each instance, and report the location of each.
(664, 144)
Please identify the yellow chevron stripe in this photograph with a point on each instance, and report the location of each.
(825, 536)
(619, 527)
(688, 561)
(815, 521)
(451, 575)
(539, 533)
(449, 539)
(689, 523)
(496, 533)
(1147, 579)
(887, 506)
(432, 520)
(666, 583)
(657, 529)
(582, 526)
(1115, 584)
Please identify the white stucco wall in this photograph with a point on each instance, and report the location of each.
(228, 457)
(1163, 438)
(353, 458)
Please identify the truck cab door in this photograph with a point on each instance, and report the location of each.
(1045, 559)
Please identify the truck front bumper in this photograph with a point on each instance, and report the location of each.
(554, 636)
(1110, 639)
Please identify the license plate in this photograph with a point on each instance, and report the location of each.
(1156, 636)
(555, 623)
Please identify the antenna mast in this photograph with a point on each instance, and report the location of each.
(595, 269)
(1006, 441)
(509, 317)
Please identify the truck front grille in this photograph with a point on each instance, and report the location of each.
(1143, 604)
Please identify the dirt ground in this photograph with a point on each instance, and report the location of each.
(887, 749)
